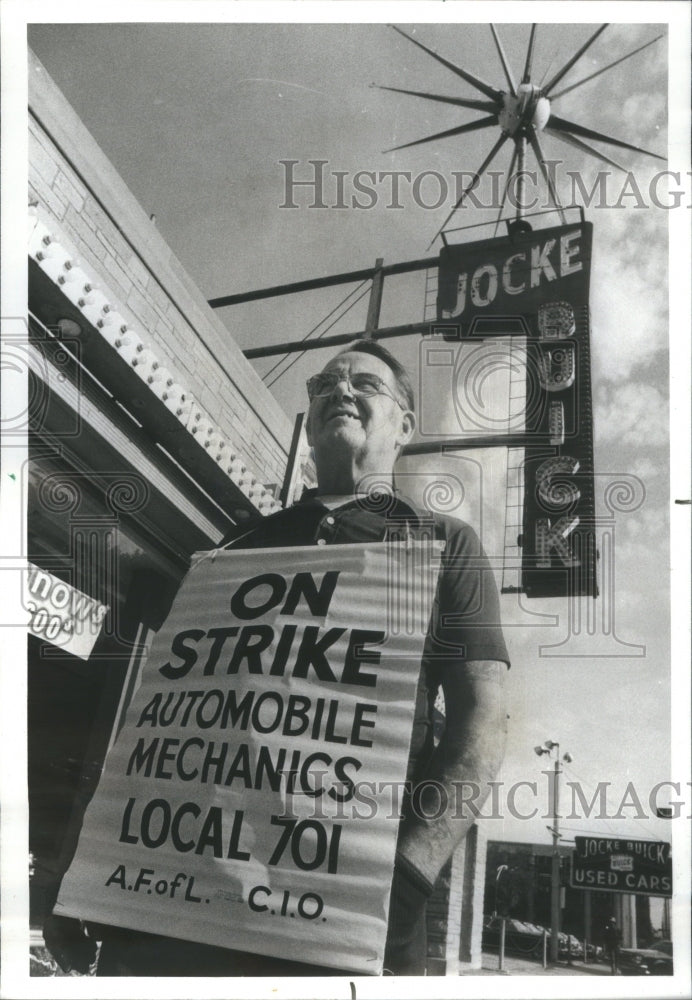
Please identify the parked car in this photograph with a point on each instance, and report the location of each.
(665, 947)
(575, 946)
(657, 960)
(520, 938)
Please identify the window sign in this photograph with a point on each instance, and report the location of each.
(61, 614)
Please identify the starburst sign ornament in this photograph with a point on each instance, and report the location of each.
(521, 113)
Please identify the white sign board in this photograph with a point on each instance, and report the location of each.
(247, 801)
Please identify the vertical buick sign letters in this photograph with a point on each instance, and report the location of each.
(535, 286)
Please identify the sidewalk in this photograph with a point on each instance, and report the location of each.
(514, 966)
(43, 964)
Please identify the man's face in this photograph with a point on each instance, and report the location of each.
(370, 429)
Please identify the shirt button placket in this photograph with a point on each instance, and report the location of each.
(327, 530)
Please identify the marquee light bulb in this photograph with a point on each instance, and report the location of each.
(179, 402)
(144, 359)
(54, 261)
(70, 266)
(32, 220)
(173, 394)
(112, 320)
(201, 427)
(160, 380)
(72, 283)
(92, 304)
(183, 410)
(39, 239)
(127, 346)
(92, 295)
(49, 249)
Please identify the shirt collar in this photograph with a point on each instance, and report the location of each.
(384, 503)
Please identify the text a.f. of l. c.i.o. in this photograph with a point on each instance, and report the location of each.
(180, 885)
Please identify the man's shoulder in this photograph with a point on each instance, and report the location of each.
(401, 505)
(450, 528)
(453, 525)
(257, 527)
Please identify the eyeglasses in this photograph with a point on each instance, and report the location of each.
(362, 384)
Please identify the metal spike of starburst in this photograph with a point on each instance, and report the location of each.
(443, 98)
(522, 112)
(604, 69)
(540, 159)
(570, 62)
(572, 140)
(474, 183)
(503, 60)
(459, 130)
(479, 84)
(512, 163)
(562, 125)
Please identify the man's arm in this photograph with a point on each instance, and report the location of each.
(466, 760)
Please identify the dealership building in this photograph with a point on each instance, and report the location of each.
(518, 884)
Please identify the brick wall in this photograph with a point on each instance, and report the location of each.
(455, 910)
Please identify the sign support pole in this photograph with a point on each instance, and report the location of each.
(521, 175)
(587, 925)
(375, 303)
(555, 870)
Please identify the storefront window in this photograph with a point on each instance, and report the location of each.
(84, 542)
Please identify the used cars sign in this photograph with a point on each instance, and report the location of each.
(643, 867)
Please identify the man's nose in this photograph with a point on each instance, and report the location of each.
(343, 388)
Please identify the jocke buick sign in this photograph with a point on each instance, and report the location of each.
(535, 285)
(644, 867)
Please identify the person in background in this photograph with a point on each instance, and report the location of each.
(611, 940)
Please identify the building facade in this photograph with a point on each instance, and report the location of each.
(518, 884)
(151, 437)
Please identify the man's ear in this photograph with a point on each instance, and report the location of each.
(406, 428)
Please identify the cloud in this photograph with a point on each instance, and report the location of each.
(644, 529)
(646, 469)
(649, 111)
(629, 293)
(631, 414)
(629, 324)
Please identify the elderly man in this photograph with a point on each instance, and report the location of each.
(361, 415)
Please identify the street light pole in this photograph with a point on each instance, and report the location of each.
(547, 748)
(555, 868)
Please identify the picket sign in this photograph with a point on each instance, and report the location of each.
(250, 799)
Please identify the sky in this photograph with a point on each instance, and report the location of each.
(198, 118)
